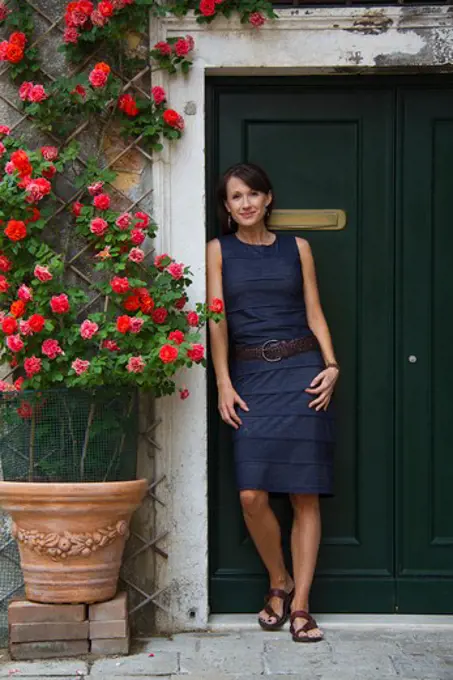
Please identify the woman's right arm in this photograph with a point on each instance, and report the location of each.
(218, 332)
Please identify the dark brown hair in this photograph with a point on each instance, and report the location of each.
(255, 178)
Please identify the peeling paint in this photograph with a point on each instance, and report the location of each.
(371, 23)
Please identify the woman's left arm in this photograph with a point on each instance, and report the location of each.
(323, 384)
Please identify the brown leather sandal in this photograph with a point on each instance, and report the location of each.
(281, 620)
(309, 625)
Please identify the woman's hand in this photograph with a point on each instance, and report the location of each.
(323, 386)
(228, 398)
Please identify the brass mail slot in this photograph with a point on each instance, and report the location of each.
(308, 219)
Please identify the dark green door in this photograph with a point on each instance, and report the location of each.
(357, 147)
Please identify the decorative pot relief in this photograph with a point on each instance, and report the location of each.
(62, 546)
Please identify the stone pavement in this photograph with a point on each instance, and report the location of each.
(346, 654)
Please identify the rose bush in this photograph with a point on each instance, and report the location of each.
(146, 331)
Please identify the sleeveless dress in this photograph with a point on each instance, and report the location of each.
(282, 444)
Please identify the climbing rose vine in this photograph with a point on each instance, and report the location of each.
(146, 333)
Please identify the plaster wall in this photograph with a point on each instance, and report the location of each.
(301, 41)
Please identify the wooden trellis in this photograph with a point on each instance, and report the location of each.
(145, 545)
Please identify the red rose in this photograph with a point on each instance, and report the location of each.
(18, 308)
(16, 230)
(216, 305)
(123, 323)
(137, 237)
(179, 304)
(105, 8)
(207, 7)
(59, 304)
(168, 354)
(49, 172)
(181, 47)
(101, 201)
(159, 95)
(193, 319)
(146, 304)
(5, 264)
(4, 285)
(102, 66)
(159, 315)
(128, 105)
(163, 47)
(132, 303)
(20, 161)
(177, 337)
(14, 53)
(77, 208)
(143, 220)
(9, 325)
(98, 78)
(80, 90)
(173, 119)
(196, 353)
(18, 38)
(35, 214)
(36, 323)
(120, 284)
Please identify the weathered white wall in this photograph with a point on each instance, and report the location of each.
(301, 41)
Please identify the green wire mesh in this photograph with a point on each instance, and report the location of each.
(68, 435)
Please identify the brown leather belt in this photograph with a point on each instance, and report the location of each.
(275, 350)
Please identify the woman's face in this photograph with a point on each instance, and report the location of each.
(246, 206)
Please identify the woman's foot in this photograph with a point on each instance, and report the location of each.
(303, 626)
(277, 604)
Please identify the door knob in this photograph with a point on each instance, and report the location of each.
(412, 359)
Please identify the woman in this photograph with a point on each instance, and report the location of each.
(276, 371)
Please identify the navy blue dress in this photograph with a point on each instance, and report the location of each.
(282, 445)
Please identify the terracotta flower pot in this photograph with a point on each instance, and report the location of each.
(71, 536)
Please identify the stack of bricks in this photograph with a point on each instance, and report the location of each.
(109, 631)
(46, 631)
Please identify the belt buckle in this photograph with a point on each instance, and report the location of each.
(263, 350)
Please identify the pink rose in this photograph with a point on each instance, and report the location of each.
(42, 273)
(111, 345)
(4, 11)
(38, 188)
(136, 324)
(15, 343)
(25, 90)
(137, 237)
(10, 168)
(190, 42)
(136, 365)
(177, 337)
(98, 226)
(25, 293)
(163, 48)
(176, 270)
(159, 95)
(136, 255)
(51, 348)
(95, 188)
(5, 264)
(71, 35)
(124, 221)
(77, 208)
(59, 304)
(5, 130)
(38, 94)
(2, 148)
(32, 366)
(80, 366)
(98, 78)
(257, 19)
(184, 393)
(49, 153)
(98, 19)
(25, 328)
(88, 329)
(101, 201)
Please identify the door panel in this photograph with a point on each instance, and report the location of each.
(324, 148)
(425, 472)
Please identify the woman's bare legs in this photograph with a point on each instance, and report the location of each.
(265, 532)
(305, 538)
